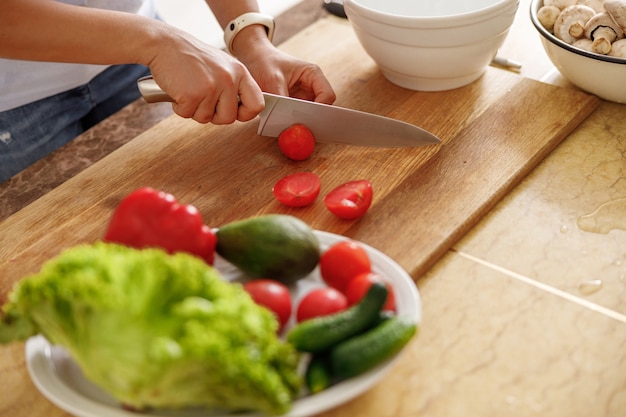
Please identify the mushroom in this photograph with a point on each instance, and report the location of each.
(570, 24)
(547, 15)
(584, 44)
(617, 10)
(618, 49)
(597, 5)
(560, 4)
(603, 31)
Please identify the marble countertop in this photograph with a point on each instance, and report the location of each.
(525, 316)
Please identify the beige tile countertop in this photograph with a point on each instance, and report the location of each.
(525, 316)
(533, 298)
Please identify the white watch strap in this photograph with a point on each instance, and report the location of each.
(245, 20)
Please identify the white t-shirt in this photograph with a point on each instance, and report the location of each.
(23, 82)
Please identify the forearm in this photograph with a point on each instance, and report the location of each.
(45, 30)
(251, 40)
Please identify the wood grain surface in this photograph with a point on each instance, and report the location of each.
(494, 132)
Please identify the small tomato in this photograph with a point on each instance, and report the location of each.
(320, 302)
(273, 295)
(343, 261)
(297, 190)
(296, 142)
(351, 200)
(359, 285)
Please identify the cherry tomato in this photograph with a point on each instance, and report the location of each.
(272, 295)
(343, 261)
(358, 286)
(297, 190)
(350, 200)
(296, 142)
(320, 302)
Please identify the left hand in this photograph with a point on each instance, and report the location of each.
(280, 73)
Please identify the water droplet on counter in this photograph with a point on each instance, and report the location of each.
(590, 286)
(610, 215)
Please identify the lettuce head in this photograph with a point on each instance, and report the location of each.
(156, 330)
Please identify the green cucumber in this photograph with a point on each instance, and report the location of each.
(318, 374)
(361, 353)
(319, 334)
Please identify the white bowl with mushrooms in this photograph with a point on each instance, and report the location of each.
(431, 45)
(585, 40)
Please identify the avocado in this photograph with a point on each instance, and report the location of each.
(275, 246)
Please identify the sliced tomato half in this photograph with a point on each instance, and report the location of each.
(350, 200)
(297, 190)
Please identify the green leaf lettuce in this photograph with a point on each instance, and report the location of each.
(156, 330)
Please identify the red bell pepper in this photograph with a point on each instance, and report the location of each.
(153, 218)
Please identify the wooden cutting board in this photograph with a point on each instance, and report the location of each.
(494, 132)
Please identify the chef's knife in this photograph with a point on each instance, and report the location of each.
(328, 123)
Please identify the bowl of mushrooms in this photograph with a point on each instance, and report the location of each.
(585, 40)
(430, 45)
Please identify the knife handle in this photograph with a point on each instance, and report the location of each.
(151, 92)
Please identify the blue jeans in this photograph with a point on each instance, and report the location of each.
(30, 132)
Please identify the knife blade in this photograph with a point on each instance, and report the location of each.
(328, 123)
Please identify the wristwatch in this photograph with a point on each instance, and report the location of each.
(245, 20)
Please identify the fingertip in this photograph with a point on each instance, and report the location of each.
(250, 107)
(326, 97)
(244, 115)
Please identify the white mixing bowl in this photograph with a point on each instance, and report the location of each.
(431, 45)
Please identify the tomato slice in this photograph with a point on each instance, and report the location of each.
(296, 142)
(297, 190)
(350, 200)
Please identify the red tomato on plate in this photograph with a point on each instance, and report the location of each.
(343, 261)
(273, 295)
(350, 200)
(320, 302)
(297, 190)
(359, 285)
(296, 142)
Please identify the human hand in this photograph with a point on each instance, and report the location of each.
(280, 73)
(206, 84)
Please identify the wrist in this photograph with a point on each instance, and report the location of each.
(248, 31)
(156, 37)
(250, 42)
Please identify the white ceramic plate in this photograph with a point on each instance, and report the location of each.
(58, 377)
